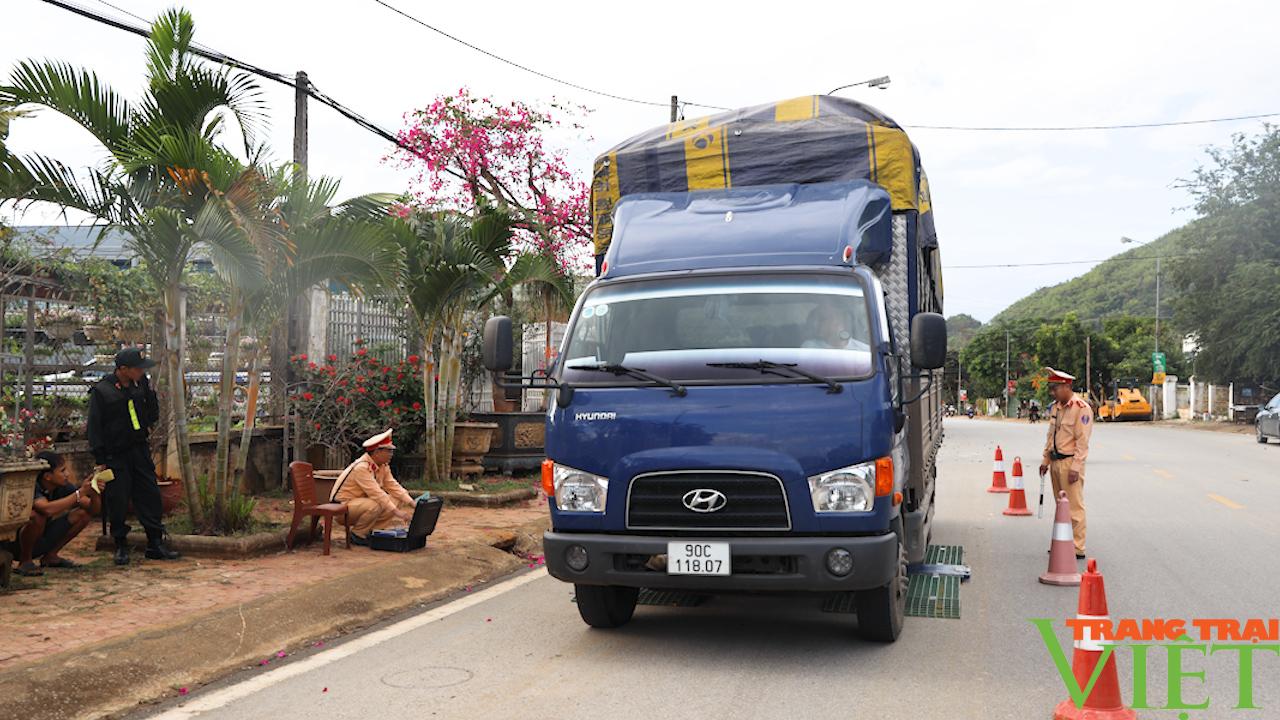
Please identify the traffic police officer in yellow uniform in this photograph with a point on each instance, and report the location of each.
(375, 500)
(1067, 448)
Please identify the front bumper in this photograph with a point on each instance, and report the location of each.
(782, 564)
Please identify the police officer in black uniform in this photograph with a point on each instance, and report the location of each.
(122, 409)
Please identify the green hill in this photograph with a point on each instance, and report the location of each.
(960, 330)
(1121, 285)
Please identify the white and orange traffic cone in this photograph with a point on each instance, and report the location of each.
(997, 474)
(1104, 701)
(1062, 549)
(1018, 494)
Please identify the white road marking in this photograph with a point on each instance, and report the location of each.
(228, 695)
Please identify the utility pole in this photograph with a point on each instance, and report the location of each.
(283, 343)
(959, 381)
(1007, 397)
(1157, 303)
(285, 340)
(300, 311)
(675, 108)
(300, 85)
(1088, 377)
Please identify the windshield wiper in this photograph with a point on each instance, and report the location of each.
(783, 369)
(637, 373)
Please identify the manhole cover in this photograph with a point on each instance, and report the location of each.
(426, 678)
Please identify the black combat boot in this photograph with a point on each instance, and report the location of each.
(158, 550)
(122, 551)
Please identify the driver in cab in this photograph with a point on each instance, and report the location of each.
(828, 327)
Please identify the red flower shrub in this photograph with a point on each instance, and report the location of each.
(339, 407)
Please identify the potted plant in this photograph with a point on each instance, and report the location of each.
(471, 442)
(61, 324)
(133, 332)
(18, 471)
(97, 333)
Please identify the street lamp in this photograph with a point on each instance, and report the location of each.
(1127, 240)
(881, 82)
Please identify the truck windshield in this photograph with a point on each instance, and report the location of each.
(675, 327)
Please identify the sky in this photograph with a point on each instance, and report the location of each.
(998, 197)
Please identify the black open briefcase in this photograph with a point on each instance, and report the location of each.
(425, 514)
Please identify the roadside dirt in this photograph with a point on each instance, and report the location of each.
(131, 635)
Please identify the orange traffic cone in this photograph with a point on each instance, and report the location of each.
(1104, 701)
(997, 474)
(1018, 495)
(1062, 549)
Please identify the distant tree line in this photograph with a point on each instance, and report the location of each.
(1220, 292)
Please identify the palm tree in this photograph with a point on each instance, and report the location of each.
(555, 295)
(166, 182)
(347, 242)
(454, 264)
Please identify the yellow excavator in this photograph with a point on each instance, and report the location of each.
(1126, 402)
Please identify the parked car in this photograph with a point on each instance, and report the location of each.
(1268, 421)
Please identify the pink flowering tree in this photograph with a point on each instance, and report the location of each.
(469, 152)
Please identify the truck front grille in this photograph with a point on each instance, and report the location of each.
(753, 501)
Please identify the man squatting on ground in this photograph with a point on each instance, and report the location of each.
(375, 500)
(59, 512)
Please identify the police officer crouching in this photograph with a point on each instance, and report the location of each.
(122, 409)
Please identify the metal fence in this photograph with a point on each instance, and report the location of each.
(381, 322)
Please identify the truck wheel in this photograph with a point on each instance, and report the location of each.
(881, 610)
(606, 606)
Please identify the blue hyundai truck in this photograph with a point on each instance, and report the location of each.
(748, 398)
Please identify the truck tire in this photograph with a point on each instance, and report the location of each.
(881, 610)
(606, 606)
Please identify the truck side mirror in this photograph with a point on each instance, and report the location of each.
(928, 341)
(497, 344)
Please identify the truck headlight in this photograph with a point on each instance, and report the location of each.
(578, 491)
(849, 489)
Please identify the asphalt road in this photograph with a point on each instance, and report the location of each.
(1184, 524)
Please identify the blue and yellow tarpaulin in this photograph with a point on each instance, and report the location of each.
(814, 138)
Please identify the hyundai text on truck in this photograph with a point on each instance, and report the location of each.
(747, 396)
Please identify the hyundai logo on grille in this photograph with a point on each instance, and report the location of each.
(703, 500)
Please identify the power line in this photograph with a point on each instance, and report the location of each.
(526, 68)
(1073, 128)
(1062, 262)
(225, 59)
(117, 8)
(391, 137)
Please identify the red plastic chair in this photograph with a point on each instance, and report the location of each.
(304, 505)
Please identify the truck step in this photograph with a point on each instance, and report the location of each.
(670, 598)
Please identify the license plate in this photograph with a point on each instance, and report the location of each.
(697, 558)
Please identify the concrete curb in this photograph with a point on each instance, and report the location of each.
(219, 547)
(459, 497)
(116, 675)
